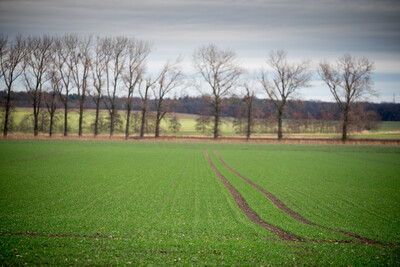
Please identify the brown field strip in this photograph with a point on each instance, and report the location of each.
(290, 212)
(204, 139)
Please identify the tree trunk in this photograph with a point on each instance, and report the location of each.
(66, 115)
(128, 116)
(80, 118)
(111, 123)
(216, 121)
(345, 122)
(158, 121)
(280, 115)
(248, 133)
(143, 121)
(35, 123)
(51, 123)
(8, 106)
(96, 120)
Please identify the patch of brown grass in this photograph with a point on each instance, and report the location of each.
(201, 139)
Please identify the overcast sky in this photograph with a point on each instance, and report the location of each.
(309, 29)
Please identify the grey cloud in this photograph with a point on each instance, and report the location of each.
(365, 25)
(314, 28)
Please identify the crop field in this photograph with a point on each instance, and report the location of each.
(155, 203)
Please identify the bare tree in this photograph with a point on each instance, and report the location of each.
(144, 95)
(348, 80)
(52, 96)
(11, 68)
(248, 99)
(220, 70)
(169, 79)
(137, 54)
(64, 59)
(3, 47)
(81, 61)
(118, 54)
(36, 63)
(285, 82)
(99, 65)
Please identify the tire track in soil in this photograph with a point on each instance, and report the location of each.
(251, 214)
(292, 213)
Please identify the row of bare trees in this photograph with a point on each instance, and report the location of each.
(297, 119)
(349, 80)
(103, 68)
(108, 67)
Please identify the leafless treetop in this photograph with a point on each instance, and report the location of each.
(10, 59)
(286, 77)
(349, 79)
(170, 77)
(219, 68)
(37, 61)
(138, 52)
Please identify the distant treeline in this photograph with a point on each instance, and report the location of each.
(313, 110)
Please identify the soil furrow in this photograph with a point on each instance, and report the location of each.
(290, 212)
(251, 214)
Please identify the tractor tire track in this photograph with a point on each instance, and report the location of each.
(251, 214)
(279, 204)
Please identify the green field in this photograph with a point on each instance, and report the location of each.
(143, 203)
(385, 130)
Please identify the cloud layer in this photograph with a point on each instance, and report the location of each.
(312, 29)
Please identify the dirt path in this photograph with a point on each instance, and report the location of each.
(251, 214)
(290, 212)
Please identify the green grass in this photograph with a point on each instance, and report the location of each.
(163, 204)
(389, 126)
(334, 187)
